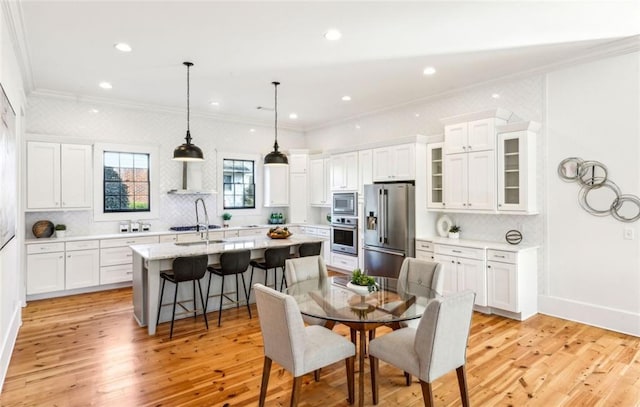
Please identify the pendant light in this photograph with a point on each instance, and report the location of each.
(276, 157)
(188, 151)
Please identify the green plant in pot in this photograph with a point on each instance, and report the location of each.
(61, 230)
(226, 217)
(454, 232)
(360, 279)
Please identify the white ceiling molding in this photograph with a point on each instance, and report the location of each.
(12, 11)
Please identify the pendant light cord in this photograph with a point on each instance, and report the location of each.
(275, 144)
(188, 94)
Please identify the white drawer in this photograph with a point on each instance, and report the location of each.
(424, 255)
(168, 238)
(45, 248)
(126, 241)
(424, 245)
(323, 232)
(253, 232)
(82, 245)
(228, 234)
(501, 255)
(116, 274)
(115, 255)
(460, 251)
(195, 236)
(310, 231)
(344, 262)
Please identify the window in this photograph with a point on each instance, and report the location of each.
(238, 182)
(126, 182)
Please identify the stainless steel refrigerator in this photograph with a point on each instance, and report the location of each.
(389, 227)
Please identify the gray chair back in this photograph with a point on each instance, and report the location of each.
(418, 276)
(189, 268)
(442, 335)
(305, 268)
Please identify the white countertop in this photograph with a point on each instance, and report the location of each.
(72, 238)
(160, 251)
(478, 244)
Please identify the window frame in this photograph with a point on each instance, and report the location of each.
(257, 180)
(254, 164)
(135, 182)
(98, 172)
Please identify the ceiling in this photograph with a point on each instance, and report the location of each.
(238, 48)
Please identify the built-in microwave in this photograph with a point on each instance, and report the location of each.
(345, 204)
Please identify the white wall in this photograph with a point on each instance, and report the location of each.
(11, 280)
(63, 119)
(593, 112)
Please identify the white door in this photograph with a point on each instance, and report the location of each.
(455, 181)
(338, 172)
(298, 201)
(317, 190)
(449, 272)
(472, 276)
(43, 175)
(83, 269)
(481, 180)
(502, 281)
(455, 138)
(276, 185)
(76, 175)
(45, 272)
(404, 162)
(482, 135)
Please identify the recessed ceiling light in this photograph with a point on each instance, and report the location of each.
(293, 116)
(123, 47)
(495, 95)
(346, 98)
(252, 130)
(105, 85)
(357, 127)
(417, 114)
(429, 70)
(214, 103)
(94, 111)
(332, 34)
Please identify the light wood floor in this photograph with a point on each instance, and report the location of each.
(88, 350)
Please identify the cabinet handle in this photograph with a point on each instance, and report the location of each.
(432, 257)
(464, 204)
(488, 266)
(469, 204)
(61, 257)
(464, 148)
(469, 147)
(495, 255)
(129, 255)
(457, 251)
(499, 205)
(453, 261)
(459, 263)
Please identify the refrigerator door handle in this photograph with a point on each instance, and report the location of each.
(381, 217)
(385, 200)
(377, 249)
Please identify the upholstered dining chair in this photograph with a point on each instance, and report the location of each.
(298, 349)
(419, 276)
(436, 347)
(310, 273)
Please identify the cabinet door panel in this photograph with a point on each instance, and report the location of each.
(45, 272)
(482, 135)
(276, 185)
(455, 176)
(482, 180)
(365, 175)
(404, 162)
(338, 173)
(381, 164)
(83, 269)
(472, 276)
(450, 273)
(435, 181)
(43, 175)
(502, 286)
(455, 138)
(298, 202)
(76, 176)
(318, 187)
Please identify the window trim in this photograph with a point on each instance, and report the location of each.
(253, 163)
(257, 179)
(98, 174)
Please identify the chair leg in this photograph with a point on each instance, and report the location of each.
(250, 282)
(206, 306)
(407, 379)
(316, 375)
(374, 366)
(350, 362)
(266, 372)
(221, 296)
(244, 286)
(204, 312)
(427, 393)
(195, 301)
(237, 293)
(462, 383)
(160, 302)
(295, 392)
(173, 314)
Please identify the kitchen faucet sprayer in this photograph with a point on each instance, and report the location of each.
(206, 219)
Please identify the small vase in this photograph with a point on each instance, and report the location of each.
(361, 290)
(454, 235)
(61, 233)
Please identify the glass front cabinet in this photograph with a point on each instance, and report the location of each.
(517, 168)
(435, 198)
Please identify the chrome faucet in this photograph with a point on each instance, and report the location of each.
(206, 219)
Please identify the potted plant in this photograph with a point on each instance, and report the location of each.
(226, 217)
(361, 283)
(454, 232)
(61, 230)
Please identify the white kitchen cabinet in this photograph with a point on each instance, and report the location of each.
(276, 185)
(464, 269)
(470, 181)
(260, 232)
(517, 168)
(198, 236)
(365, 172)
(344, 171)
(168, 238)
(298, 162)
(424, 250)
(512, 282)
(45, 268)
(325, 234)
(344, 262)
(394, 163)
(299, 198)
(82, 267)
(474, 135)
(116, 258)
(435, 180)
(59, 176)
(319, 176)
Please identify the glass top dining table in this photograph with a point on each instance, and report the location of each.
(334, 301)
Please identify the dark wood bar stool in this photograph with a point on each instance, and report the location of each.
(231, 263)
(274, 258)
(185, 269)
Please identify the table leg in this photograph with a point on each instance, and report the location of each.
(363, 340)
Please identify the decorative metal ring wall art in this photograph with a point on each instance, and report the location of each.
(575, 169)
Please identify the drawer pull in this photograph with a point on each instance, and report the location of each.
(129, 272)
(495, 255)
(457, 251)
(129, 255)
(131, 242)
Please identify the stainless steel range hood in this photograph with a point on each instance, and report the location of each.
(191, 180)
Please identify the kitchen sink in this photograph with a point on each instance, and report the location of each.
(198, 243)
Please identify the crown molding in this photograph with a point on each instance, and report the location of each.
(12, 11)
(613, 48)
(151, 108)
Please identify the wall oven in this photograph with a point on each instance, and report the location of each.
(344, 235)
(345, 204)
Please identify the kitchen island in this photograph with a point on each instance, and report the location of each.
(150, 259)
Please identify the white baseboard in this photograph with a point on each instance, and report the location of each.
(608, 318)
(9, 342)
